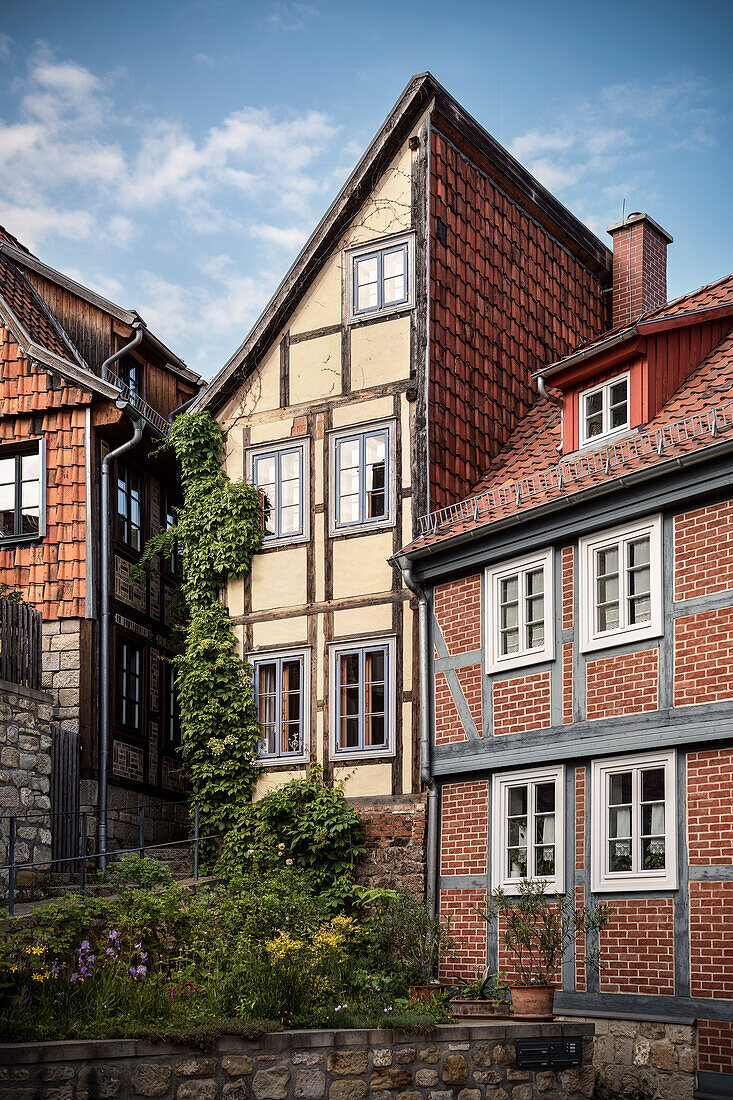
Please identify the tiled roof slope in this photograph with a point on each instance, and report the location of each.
(25, 303)
(531, 453)
(719, 293)
(505, 298)
(7, 236)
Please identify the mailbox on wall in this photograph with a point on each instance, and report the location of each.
(548, 1053)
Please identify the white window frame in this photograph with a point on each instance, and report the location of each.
(495, 660)
(605, 881)
(363, 526)
(301, 443)
(604, 388)
(388, 641)
(23, 447)
(302, 653)
(501, 783)
(591, 638)
(385, 244)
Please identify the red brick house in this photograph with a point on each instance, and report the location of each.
(580, 647)
(65, 403)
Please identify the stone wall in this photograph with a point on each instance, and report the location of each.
(452, 1063)
(394, 836)
(165, 821)
(631, 1052)
(25, 772)
(61, 658)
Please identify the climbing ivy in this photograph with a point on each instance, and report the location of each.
(218, 531)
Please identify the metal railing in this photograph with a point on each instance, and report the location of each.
(79, 862)
(567, 472)
(145, 410)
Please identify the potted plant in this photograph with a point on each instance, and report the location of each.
(485, 996)
(537, 931)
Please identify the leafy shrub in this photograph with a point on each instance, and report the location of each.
(305, 823)
(132, 869)
(405, 931)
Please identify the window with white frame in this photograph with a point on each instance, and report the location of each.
(362, 711)
(22, 495)
(527, 828)
(281, 699)
(520, 612)
(621, 585)
(604, 410)
(381, 277)
(633, 823)
(280, 474)
(363, 478)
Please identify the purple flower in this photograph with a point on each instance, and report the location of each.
(84, 945)
(143, 956)
(74, 978)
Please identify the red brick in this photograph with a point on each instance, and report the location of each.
(522, 703)
(627, 684)
(703, 657)
(464, 831)
(637, 947)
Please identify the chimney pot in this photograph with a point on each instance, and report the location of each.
(639, 267)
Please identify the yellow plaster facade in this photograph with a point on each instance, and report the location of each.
(335, 586)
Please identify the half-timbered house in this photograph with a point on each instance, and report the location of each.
(391, 364)
(67, 399)
(579, 652)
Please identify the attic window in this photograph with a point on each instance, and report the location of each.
(604, 410)
(381, 277)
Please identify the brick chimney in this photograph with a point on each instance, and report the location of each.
(639, 267)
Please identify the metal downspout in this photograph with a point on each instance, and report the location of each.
(425, 776)
(181, 408)
(140, 332)
(104, 692)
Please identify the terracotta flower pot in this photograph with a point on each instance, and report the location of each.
(477, 1010)
(423, 993)
(533, 1001)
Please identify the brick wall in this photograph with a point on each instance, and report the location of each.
(394, 838)
(703, 657)
(580, 946)
(457, 608)
(711, 939)
(639, 271)
(715, 1046)
(580, 806)
(627, 684)
(567, 594)
(709, 807)
(464, 829)
(567, 683)
(637, 947)
(468, 930)
(703, 551)
(448, 725)
(471, 682)
(522, 703)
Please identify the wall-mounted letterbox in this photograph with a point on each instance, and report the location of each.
(548, 1053)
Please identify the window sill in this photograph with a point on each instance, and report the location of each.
(636, 884)
(281, 761)
(21, 540)
(622, 638)
(346, 757)
(362, 528)
(512, 888)
(380, 314)
(278, 544)
(526, 660)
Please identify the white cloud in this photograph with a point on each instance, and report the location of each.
(291, 16)
(290, 238)
(35, 224)
(5, 44)
(204, 59)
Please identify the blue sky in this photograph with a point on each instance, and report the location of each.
(176, 155)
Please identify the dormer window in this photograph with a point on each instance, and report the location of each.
(604, 410)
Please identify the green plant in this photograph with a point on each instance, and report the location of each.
(307, 824)
(537, 930)
(488, 986)
(405, 930)
(218, 530)
(604, 1091)
(140, 871)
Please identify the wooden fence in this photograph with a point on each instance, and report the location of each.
(20, 644)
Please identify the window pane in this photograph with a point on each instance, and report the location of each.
(375, 731)
(652, 819)
(510, 589)
(620, 789)
(348, 450)
(349, 510)
(517, 801)
(31, 467)
(545, 862)
(640, 610)
(375, 665)
(617, 393)
(594, 403)
(366, 283)
(536, 636)
(366, 270)
(290, 465)
(653, 854)
(517, 831)
(607, 561)
(394, 263)
(290, 493)
(517, 863)
(349, 481)
(264, 472)
(619, 821)
(349, 733)
(29, 494)
(545, 798)
(394, 290)
(619, 855)
(509, 641)
(618, 416)
(376, 463)
(7, 471)
(652, 785)
(509, 615)
(290, 521)
(29, 521)
(7, 497)
(544, 827)
(638, 552)
(535, 608)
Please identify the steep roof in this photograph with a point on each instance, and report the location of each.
(422, 92)
(528, 475)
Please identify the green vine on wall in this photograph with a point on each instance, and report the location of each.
(218, 531)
